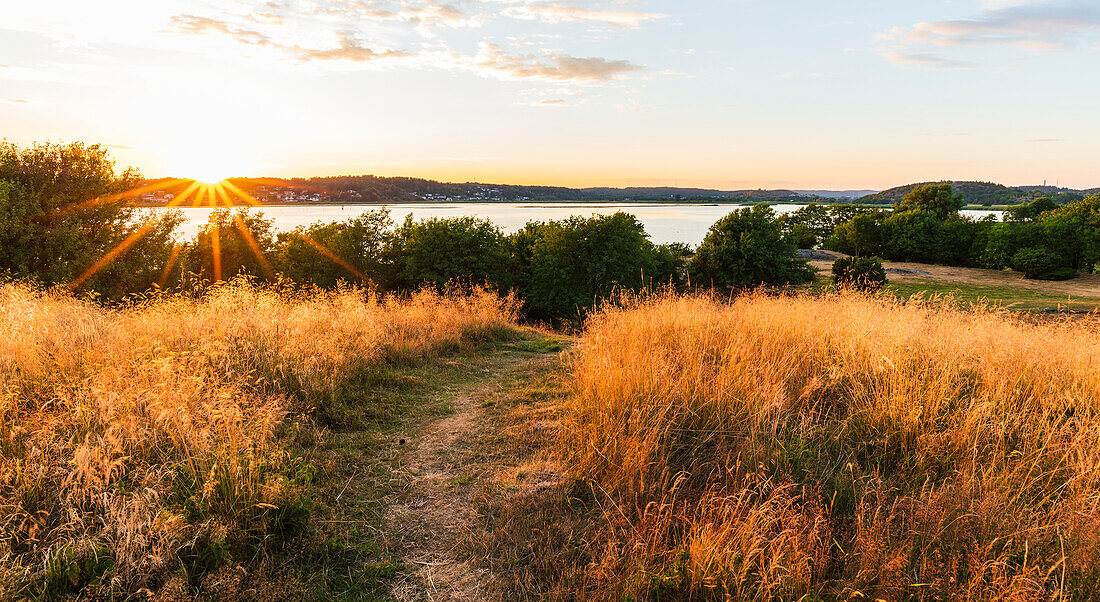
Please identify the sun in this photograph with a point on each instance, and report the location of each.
(210, 164)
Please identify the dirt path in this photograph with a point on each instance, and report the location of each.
(434, 509)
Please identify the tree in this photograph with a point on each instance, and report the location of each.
(863, 235)
(1030, 211)
(939, 199)
(565, 267)
(64, 219)
(915, 235)
(746, 249)
(808, 226)
(1040, 263)
(438, 250)
(232, 243)
(355, 250)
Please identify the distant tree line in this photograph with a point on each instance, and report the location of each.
(1040, 238)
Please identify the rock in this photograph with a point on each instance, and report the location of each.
(905, 271)
(815, 254)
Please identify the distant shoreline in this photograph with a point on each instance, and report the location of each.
(669, 203)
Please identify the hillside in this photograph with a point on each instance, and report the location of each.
(376, 189)
(984, 193)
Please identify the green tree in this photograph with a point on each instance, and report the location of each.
(940, 200)
(915, 235)
(65, 219)
(354, 250)
(808, 226)
(746, 249)
(232, 243)
(862, 235)
(1041, 263)
(438, 250)
(576, 262)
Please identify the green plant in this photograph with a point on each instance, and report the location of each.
(1040, 263)
(746, 249)
(860, 273)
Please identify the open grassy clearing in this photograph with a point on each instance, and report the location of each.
(998, 287)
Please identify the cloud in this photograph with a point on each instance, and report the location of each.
(550, 66)
(195, 25)
(348, 47)
(1040, 27)
(297, 30)
(928, 62)
(15, 101)
(1026, 25)
(560, 13)
(1043, 140)
(554, 102)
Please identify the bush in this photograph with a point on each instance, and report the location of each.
(860, 273)
(746, 249)
(438, 250)
(65, 219)
(353, 250)
(232, 243)
(565, 267)
(861, 235)
(1040, 263)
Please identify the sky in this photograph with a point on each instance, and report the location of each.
(728, 94)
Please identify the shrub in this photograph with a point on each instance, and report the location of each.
(232, 243)
(354, 250)
(565, 267)
(438, 250)
(746, 249)
(1040, 263)
(861, 235)
(65, 219)
(860, 273)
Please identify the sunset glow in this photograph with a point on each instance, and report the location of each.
(732, 95)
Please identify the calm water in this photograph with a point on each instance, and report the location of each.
(664, 223)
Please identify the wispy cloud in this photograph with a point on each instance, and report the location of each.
(15, 101)
(550, 66)
(930, 62)
(1031, 26)
(410, 28)
(562, 13)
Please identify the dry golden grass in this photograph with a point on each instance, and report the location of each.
(144, 441)
(841, 447)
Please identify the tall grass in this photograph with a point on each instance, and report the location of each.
(845, 447)
(142, 441)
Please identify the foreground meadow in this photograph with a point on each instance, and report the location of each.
(155, 446)
(837, 447)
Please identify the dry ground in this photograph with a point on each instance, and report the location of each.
(433, 512)
(1085, 286)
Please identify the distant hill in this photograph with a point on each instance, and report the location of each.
(984, 193)
(396, 190)
(837, 194)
